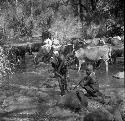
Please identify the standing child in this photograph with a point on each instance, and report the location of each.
(60, 70)
(91, 85)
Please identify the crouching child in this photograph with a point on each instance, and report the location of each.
(91, 85)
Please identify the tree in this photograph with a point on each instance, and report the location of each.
(39, 15)
(66, 29)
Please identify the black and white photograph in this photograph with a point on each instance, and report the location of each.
(62, 60)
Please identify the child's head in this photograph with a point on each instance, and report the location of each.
(89, 69)
(56, 53)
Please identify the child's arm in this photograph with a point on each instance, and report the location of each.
(80, 82)
(84, 82)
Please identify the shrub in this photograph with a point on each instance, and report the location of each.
(4, 64)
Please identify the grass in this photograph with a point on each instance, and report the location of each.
(29, 84)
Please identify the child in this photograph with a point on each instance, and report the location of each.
(90, 83)
(60, 69)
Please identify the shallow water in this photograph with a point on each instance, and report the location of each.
(25, 98)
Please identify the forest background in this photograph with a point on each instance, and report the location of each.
(61, 19)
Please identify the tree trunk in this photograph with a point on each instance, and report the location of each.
(93, 4)
(80, 11)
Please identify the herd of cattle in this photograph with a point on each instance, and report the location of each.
(80, 51)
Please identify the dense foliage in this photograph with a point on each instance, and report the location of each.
(64, 19)
(5, 69)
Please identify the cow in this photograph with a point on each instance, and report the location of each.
(45, 52)
(69, 50)
(66, 49)
(34, 47)
(94, 53)
(72, 47)
(16, 53)
(116, 52)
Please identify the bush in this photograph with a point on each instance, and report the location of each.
(4, 64)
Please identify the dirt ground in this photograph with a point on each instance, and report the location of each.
(31, 94)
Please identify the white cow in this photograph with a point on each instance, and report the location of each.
(94, 53)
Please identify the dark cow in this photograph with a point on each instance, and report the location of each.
(117, 52)
(69, 49)
(17, 53)
(66, 49)
(89, 42)
(34, 47)
(44, 54)
(69, 52)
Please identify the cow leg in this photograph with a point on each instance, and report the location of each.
(79, 66)
(30, 50)
(36, 59)
(23, 58)
(80, 63)
(17, 59)
(106, 63)
(76, 62)
(114, 60)
(110, 61)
